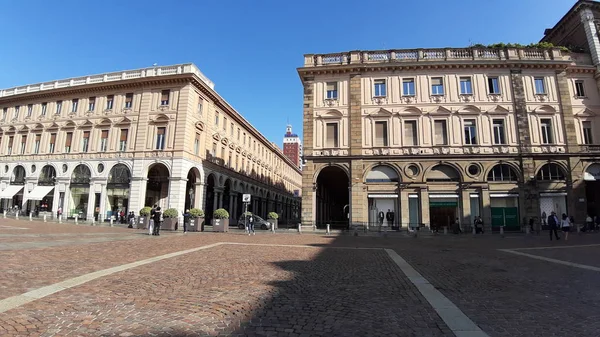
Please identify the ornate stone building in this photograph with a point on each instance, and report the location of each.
(121, 141)
(434, 135)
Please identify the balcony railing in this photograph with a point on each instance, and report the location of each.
(188, 68)
(438, 54)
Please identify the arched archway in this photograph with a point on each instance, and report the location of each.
(332, 197)
(193, 179)
(209, 206)
(227, 196)
(591, 176)
(444, 207)
(117, 192)
(157, 188)
(383, 205)
(80, 201)
(40, 199)
(12, 195)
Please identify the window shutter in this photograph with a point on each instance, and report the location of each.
(104, 134)
(436, 81)
(124, 135)
(69, 139)
(379, 133)
(165, 95)
(38, 137)
(128, 98)
(160, 131)
(409, 133)
(331, 135)
(86, 134)
(52, 138)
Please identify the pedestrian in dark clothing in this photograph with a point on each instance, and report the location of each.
(251, 226)
(187, 217)
(553, 222)
(157, 215)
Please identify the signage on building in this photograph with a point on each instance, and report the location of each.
(245, 197)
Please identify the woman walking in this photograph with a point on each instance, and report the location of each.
(565, 224)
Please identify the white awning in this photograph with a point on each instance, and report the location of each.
(504, 195)
(10, 191)
(386, 196)
(39, 192)
(442, 196)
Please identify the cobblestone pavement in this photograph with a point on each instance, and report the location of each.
(585, 255)
(294, 291)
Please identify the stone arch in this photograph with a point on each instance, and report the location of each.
(443, 172)
(47, 175)
(381, 173)
(18, 175)
(545, 109)
(157, 185)
(319, 169)
(332, 196)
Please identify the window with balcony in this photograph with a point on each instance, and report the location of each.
(128, 100)
(44, 108)
(381, 134)
(91, 103)
(579, 89)
(498, 129)
(52, 143)
(410, 133)
(408, 87)
(110, 100)
(68, 141)
(17, 109)
(493, 86)
(437, 86)
(466, 87)
(160, 138)
(123, 140)
(331, 139)
(380, 88)
(470, 132)
(587, 133)
(546, 130)
(164, 97)
(197, 144)
(74, 105)
(10, 145)
(540, 87)
(58, 107)
(85, 142)
(29, 110)
(441, 132)
(23, 143)
(36, 147)
(332, 90)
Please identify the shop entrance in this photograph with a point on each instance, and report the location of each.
(381, 210)
(442, 213)
(592, 189)
(505, 212)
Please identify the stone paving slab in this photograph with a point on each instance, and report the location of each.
(585, 255)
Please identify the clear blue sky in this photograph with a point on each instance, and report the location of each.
(249, 48)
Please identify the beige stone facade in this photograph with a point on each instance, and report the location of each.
(121, 141)
(439, 135)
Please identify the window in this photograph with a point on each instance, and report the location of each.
(437, 86)
(217, 119)
(225, 123)
(228, 159)
(23, 143)
(498, 127)
(164, 97)
(470, 132)
(75, 104)
(103, 140)
(109, 102)
(238, 134)
(493, 86)
(4, 112)
(502, 172)
(332, 135)
(380, 90)
(332, 90)
(92, 104)
(540, 88)
(11, 139)
(546, 128)
(85, 141)
(231, 130)
(244, 138)
(17, 108)
(237, 161)
(44, 108)
(68, 141)
(441, 132)
(214, 150)
(200, 106)
(123, 140)
(381, 134)
(466, 87)
(160, 138)
(408, 87)
(52, 142)
(587, 133)
(58, 107)
(197, 144)
(29, 110)
(128, 101)
(36, 148)
(551, 171)
(579, 91)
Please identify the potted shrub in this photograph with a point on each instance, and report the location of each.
(144, 218)
(272, 219)
(197, 220)
(220, 220)
(170, 219)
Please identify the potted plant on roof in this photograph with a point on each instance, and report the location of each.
(170, 219)
(197, 223)
(220, 220)
(272, 219)
(144, 218)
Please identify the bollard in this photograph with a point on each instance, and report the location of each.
(273, 228)
(44, 217)
(502, 231)
(17, 215)
(111, 222)
(578, 229)
(93, 222)
(60, 218)
(355, 231)
(474, 231)
(299, 228)
(76, 218)
(4, 214)
(328, 231)
(445, 230)
(30, 216)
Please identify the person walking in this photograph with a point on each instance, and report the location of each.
(151, 221)
(251, 226)
(187, 217)
(478, 225)
(157, 216)
(589, 223)
(565, 225)
(553, 224)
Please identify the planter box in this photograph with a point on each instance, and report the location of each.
(169, 224)
(196, 225)
(220, 225)
(142, 222)
(274, 223)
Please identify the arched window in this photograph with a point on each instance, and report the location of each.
(18, 177)
(551, 171)
(502, 172)
(47, 176)
(119, 175)
(382, 174)
(443, 173)
(81, 175)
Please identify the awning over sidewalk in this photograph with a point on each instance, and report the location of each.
(39, 192)
(10, 191)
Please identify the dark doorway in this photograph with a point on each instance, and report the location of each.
(210, 198)
(332, 198)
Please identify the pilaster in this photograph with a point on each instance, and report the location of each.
(467, 218)
(177, 194)
(424, 198)
(587, 21)
(308, 114)
(355, 115)
(358, 196)
(308, 193)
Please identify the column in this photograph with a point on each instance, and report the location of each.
(358, 198)
(424, 198)
(137, 194)
(103, 193)
(56, 199)
(466, 221)
(91, 202)
(215, 200)
(221, 199)
(486, 210)
(264, 209)
(233, 206)
(177, 195)
(403, 213)
(199, 196)
(587, 20)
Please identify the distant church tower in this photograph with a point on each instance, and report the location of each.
(292, 146)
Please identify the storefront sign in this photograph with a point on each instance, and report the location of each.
(383, 196)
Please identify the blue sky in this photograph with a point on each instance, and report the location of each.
(250, 49)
